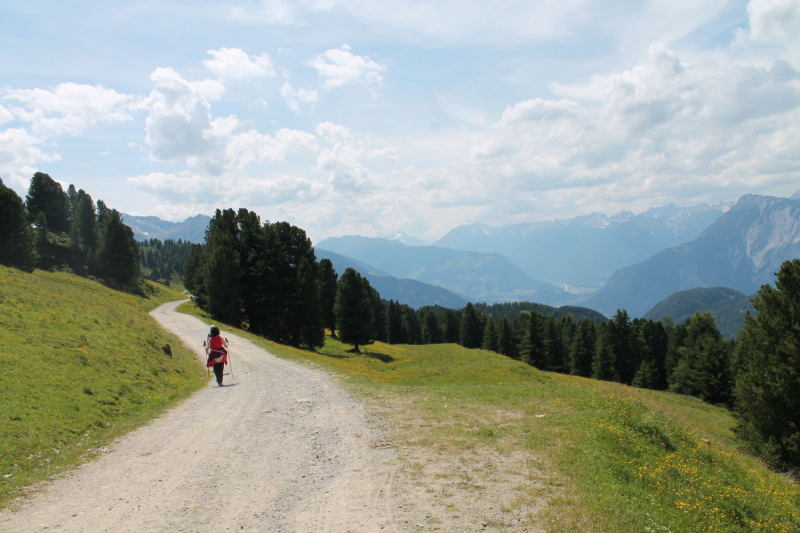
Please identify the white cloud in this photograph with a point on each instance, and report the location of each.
(251, 147)
(265, 192)
(179, 115)
(774, 20)
(294, 97)
(5, 115)
(69, 108)
(273, 12)
(339, 66)
(233, 63)
(19, 152)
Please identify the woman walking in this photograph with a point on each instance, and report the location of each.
(216, 353)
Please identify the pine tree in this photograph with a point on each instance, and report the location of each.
(505, 342)
(471, 335)
(118, 252)
(603, 362)
(767, 398)
(450, 326)
(327, 277)
(490, 336)
(16, 239)
(702, 370)
(431, 332)
(378, 312)
(353, 309)
(534, 351)
(312, 333)
(411, 325)
(396, 333)
(46, 196)
(44, 256)
(555, 360)
(584, 346)
(222, 272)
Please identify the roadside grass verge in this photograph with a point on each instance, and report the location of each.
(576, 454)
(81, 365)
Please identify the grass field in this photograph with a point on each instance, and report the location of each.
(80, 365)
(603, 456)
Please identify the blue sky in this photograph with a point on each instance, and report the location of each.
(348, 117)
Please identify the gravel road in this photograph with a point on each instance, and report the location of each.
(279, 449)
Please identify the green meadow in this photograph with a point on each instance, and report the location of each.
(613, 458)
(81, 364)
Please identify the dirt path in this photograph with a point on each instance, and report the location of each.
(284, 449)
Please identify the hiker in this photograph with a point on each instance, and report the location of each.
(216, 353)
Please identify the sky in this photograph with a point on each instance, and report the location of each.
(371, 117)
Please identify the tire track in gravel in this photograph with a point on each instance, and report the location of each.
(284, 449)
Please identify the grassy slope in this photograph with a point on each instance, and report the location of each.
(625, 459)
(81, 365)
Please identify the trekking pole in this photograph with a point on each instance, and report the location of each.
(207, 370)
(230, 361)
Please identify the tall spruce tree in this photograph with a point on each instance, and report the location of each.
(16, 238)
(118, 252)
(46, 196)
(312, 333)
(584, 346)
(603, 363)
(471, 333)
(768, 385)
(533, 348)
(489, 335)
(327, 277)
(702, 369)
(619, 336)
(451, 326)
(431, 332)
(505, 340)
(222, 272)
(353, 309)
(378, 312)
(396, 333)
(412, 325)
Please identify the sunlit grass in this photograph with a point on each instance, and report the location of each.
(82, 364)
(608, 457)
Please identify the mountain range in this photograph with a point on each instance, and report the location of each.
(741, 250)
(485, 277)
(193, 229)
(583, 252)
(406, 291)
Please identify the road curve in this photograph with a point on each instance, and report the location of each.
(284, 449)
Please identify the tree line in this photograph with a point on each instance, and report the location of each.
(265, 277)
(163, 261)
(54, 229)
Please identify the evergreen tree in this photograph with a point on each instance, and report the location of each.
(222, 272)
(193, 275)
(768, 385)
(16, 239)
(471, 334)
(312, 333)
(411, 325)
(647, 375)
(534, 350)
(327, 277)
(505, 341)
(431, 332)
(490, 336)
(378, 312)
(556, 354)
(46, 196)
(118, 252)
(584, 346)
(396, 333)
(603, 363)
(353, 309)
(102, 211)
(619, 336)
(450, 326)
(702, 370)
(44, 256)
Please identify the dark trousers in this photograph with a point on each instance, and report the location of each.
(218, 369)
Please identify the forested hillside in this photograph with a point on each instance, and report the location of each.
(72, 232)
(727, 306)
